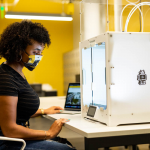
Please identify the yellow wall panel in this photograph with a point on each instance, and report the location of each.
(111, 17)
(134, 23)
(146, 16)
(38, 6)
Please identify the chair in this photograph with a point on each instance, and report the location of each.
(14, 139)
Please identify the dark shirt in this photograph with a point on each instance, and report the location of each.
(13, 84)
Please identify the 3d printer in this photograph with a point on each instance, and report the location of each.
(115, 88)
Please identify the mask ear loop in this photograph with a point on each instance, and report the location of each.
(26, 53)
(20, 58)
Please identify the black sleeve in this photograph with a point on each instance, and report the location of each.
(8, 86)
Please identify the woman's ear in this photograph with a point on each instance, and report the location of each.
(25, 57)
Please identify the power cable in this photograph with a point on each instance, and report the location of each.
(131, 13)
(123, 11)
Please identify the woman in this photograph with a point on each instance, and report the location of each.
(21, 44)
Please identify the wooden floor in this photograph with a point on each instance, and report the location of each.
(40, 123)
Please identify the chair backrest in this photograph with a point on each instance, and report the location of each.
(14, 139)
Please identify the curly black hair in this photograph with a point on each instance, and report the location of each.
(17, 36)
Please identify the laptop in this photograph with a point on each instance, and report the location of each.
(73, 99)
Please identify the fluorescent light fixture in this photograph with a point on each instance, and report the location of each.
(37, 16)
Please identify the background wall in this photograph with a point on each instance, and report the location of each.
(71, 61)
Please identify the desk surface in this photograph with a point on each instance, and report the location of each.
(90, 129)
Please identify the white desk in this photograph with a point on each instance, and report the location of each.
(96, 134)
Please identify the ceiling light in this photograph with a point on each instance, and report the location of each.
(37, 16)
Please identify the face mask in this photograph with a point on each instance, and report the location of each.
(33, 61)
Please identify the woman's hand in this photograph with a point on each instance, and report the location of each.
(56, 127)
(53, 110)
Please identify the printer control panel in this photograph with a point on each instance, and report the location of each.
(91, 111)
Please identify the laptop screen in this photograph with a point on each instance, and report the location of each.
(73, 98)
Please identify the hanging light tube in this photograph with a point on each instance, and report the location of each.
(36, 16)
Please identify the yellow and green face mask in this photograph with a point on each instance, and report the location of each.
(33, 61)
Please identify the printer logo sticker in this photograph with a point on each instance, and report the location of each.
(142, 77)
